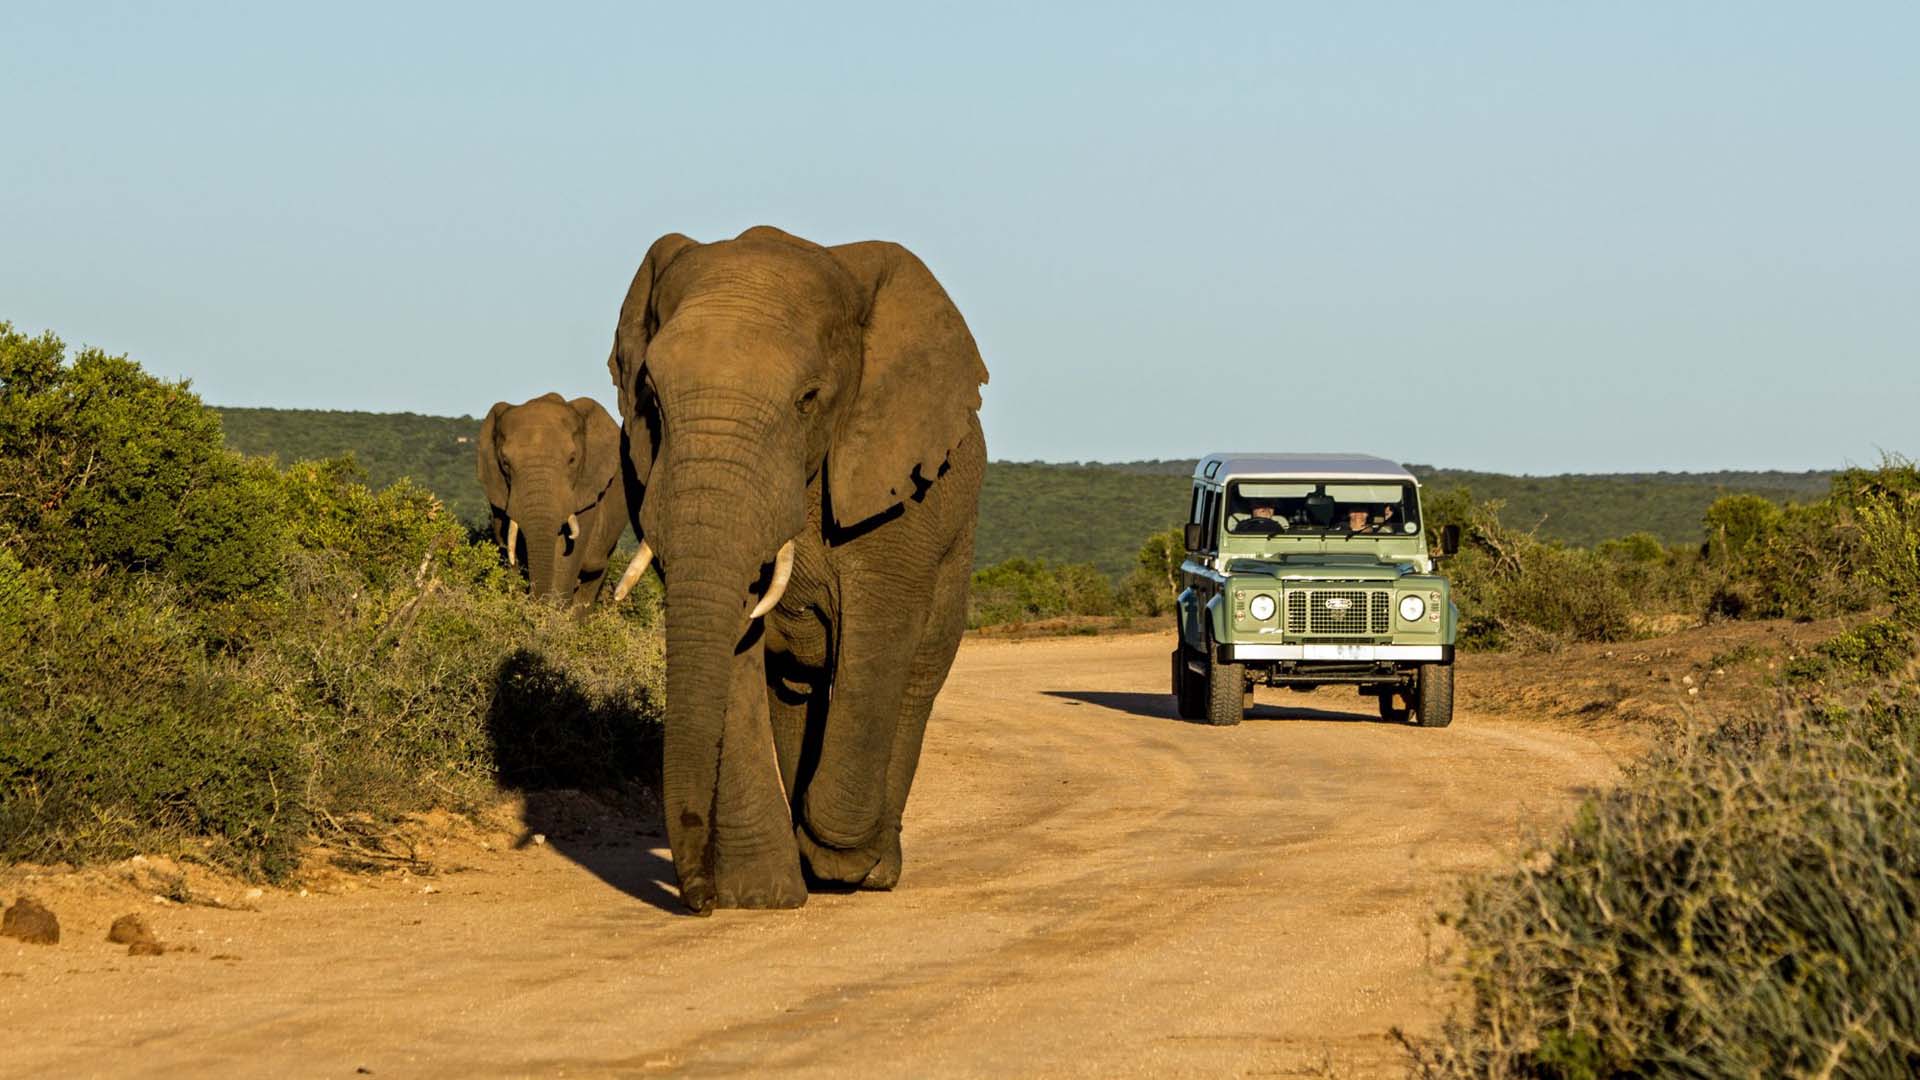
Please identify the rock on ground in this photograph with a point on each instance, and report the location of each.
(31, 922)
(131, 930)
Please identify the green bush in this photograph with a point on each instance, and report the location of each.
(1878, 648)
(204, 654)
(108, 468)
(1858, 547)
(1888, 513)
(1020, 590)
(124, 734)
(1153, 583)
(1746, 903)
(1514, 589)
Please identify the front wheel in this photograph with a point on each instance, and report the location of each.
(1227, 693)
(1433, 697)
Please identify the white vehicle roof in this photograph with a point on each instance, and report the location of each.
(1218, 468)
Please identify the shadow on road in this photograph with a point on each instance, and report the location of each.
(587, 766)
(615, 843)
(1160, 706)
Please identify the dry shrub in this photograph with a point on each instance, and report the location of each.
(1746, 903)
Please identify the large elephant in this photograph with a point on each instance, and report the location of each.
(802, 425)
(552, 470)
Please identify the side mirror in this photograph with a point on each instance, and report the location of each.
(1196, 536)
(1450, 540)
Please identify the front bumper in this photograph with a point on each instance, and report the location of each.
(1344, 653)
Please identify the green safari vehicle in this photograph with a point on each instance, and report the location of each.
(1307, 570)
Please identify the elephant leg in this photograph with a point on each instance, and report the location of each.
(845, 798)
(755, 862)
(587, 589)
(946, 623)
(796, 692)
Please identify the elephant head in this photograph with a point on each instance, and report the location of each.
(543, 463)
(753, 373)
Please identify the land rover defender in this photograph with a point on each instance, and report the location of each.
(1308, 570)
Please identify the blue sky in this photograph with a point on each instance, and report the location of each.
(1524, 237)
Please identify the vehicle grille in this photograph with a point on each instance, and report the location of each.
(1365, 611)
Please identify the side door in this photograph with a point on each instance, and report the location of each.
(1199, 582)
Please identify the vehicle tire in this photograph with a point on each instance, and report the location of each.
(1391, 710)
(1189, 695)
(1227, 693)
(1433, 699)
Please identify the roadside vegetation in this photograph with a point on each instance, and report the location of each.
(214, 657)
(1747, 901)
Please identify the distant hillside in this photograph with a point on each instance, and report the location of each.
(436, 451)
(1061, 512)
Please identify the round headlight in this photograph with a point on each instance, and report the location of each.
(1261, 607)
(1412, 607)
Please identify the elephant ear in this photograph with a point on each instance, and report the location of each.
(602, 466)
(491, 478)
(920, 382)
(639, 320)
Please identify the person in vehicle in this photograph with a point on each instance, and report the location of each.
(1262, 517)
(1360, 519)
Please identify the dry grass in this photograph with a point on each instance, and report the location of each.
(1746, 903)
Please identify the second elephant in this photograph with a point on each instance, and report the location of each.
(552, 472)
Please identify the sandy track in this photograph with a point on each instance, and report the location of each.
(1092, 888)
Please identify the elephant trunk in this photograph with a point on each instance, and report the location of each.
(707, 590)
(538, 506)
(717, 522)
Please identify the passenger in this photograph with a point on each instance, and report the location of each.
(1359, 521)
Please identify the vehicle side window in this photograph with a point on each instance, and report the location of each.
(1213, 519)
(1198, 512)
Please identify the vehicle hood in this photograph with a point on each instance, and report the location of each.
(1322, 567)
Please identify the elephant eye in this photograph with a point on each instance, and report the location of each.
(808, 400)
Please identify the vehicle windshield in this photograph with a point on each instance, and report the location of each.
(1321, 508)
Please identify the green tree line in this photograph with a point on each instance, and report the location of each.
(1062, 513)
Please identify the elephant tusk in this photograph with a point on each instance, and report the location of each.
(782, 570)
(641, 560)
(513, 542)
(573, 526)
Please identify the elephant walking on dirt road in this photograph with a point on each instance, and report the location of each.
(552, 471)
(802, 425)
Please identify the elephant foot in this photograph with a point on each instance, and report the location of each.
(885, 873)
(697, 894)
(849, 865)
(762, 884)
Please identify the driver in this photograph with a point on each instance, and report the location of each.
(1262, 516)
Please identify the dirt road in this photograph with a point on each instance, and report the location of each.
(1092, 888)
